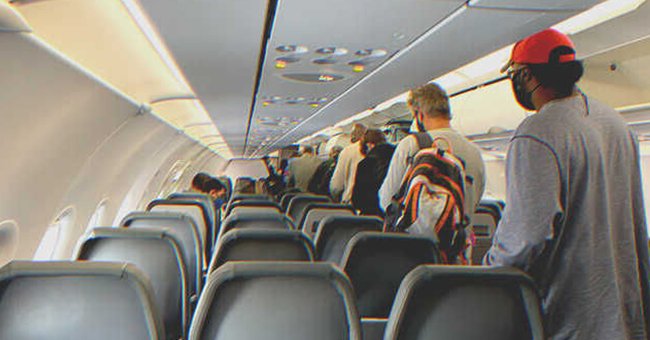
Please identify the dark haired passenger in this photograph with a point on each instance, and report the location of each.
(574, 218)
(216, 190)
(371, 172)
(198, 181)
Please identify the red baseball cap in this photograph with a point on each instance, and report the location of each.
(545, 47)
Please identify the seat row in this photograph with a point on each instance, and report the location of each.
(265, 300)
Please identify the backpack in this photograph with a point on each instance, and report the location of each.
(431, 200)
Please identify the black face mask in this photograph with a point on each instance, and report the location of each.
(524, 98)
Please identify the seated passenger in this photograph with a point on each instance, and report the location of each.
(371, 172)
(320, 182)
(301, 169)
(574, 218)
(430, 107)
(342, 181)
(216, 190)
(198, 181)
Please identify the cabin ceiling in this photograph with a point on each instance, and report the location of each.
(270, 72)
(265, 85)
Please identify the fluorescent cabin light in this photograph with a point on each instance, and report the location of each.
(150, 32)
(597, 15)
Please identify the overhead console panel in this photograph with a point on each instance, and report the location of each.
(319, 49)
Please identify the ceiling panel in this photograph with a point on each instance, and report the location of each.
(327, 40)
(217, 46)
(535, 4)
(470, 34)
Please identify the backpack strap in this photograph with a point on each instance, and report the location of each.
(424, 140)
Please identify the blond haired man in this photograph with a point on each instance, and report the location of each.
(430, 107)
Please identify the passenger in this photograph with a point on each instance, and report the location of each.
(275, 184)
(320, 182)
(302, 169)
(371, 172)
(245, 185)
(430, 107)
(198, 181)
(216, 190)
(574, 218)
(346, 167)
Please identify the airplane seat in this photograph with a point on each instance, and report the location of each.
(334, 232)
(286, 198)
(469, 303)
(247, 197)
(298, 203)
(205, 199)
(376, 263)
(484, 225)
(157, 254)
(276, 301)
(315, 212)
(76, 301)
(185, 231)
(197, 210)
(258, 219)
(257, 203)
(373, 329)
(262, 245)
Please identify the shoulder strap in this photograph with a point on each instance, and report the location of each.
(424, 140)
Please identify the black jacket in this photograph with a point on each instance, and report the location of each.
(371, 172)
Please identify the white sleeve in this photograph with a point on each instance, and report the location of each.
(396, 171)
(337, 183)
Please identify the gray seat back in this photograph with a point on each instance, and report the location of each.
(256, 203)
(257, 220)
(76, 301)
(276, 301)
(334, 232)
(377, 262)
(469, 303)
(194, 209)
(262, 245)
(158, 255)
(314, 216)
(286, 199)
(299, 202)
(205, 199)
(321, 205)
(254, 209)
(185, 231)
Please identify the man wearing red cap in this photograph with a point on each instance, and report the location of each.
(575, 216)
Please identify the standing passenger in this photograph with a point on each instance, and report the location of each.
(430, 107)
(302, 169)
(574, 218)
(320, 182)
(343, 178)
(371, 172)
